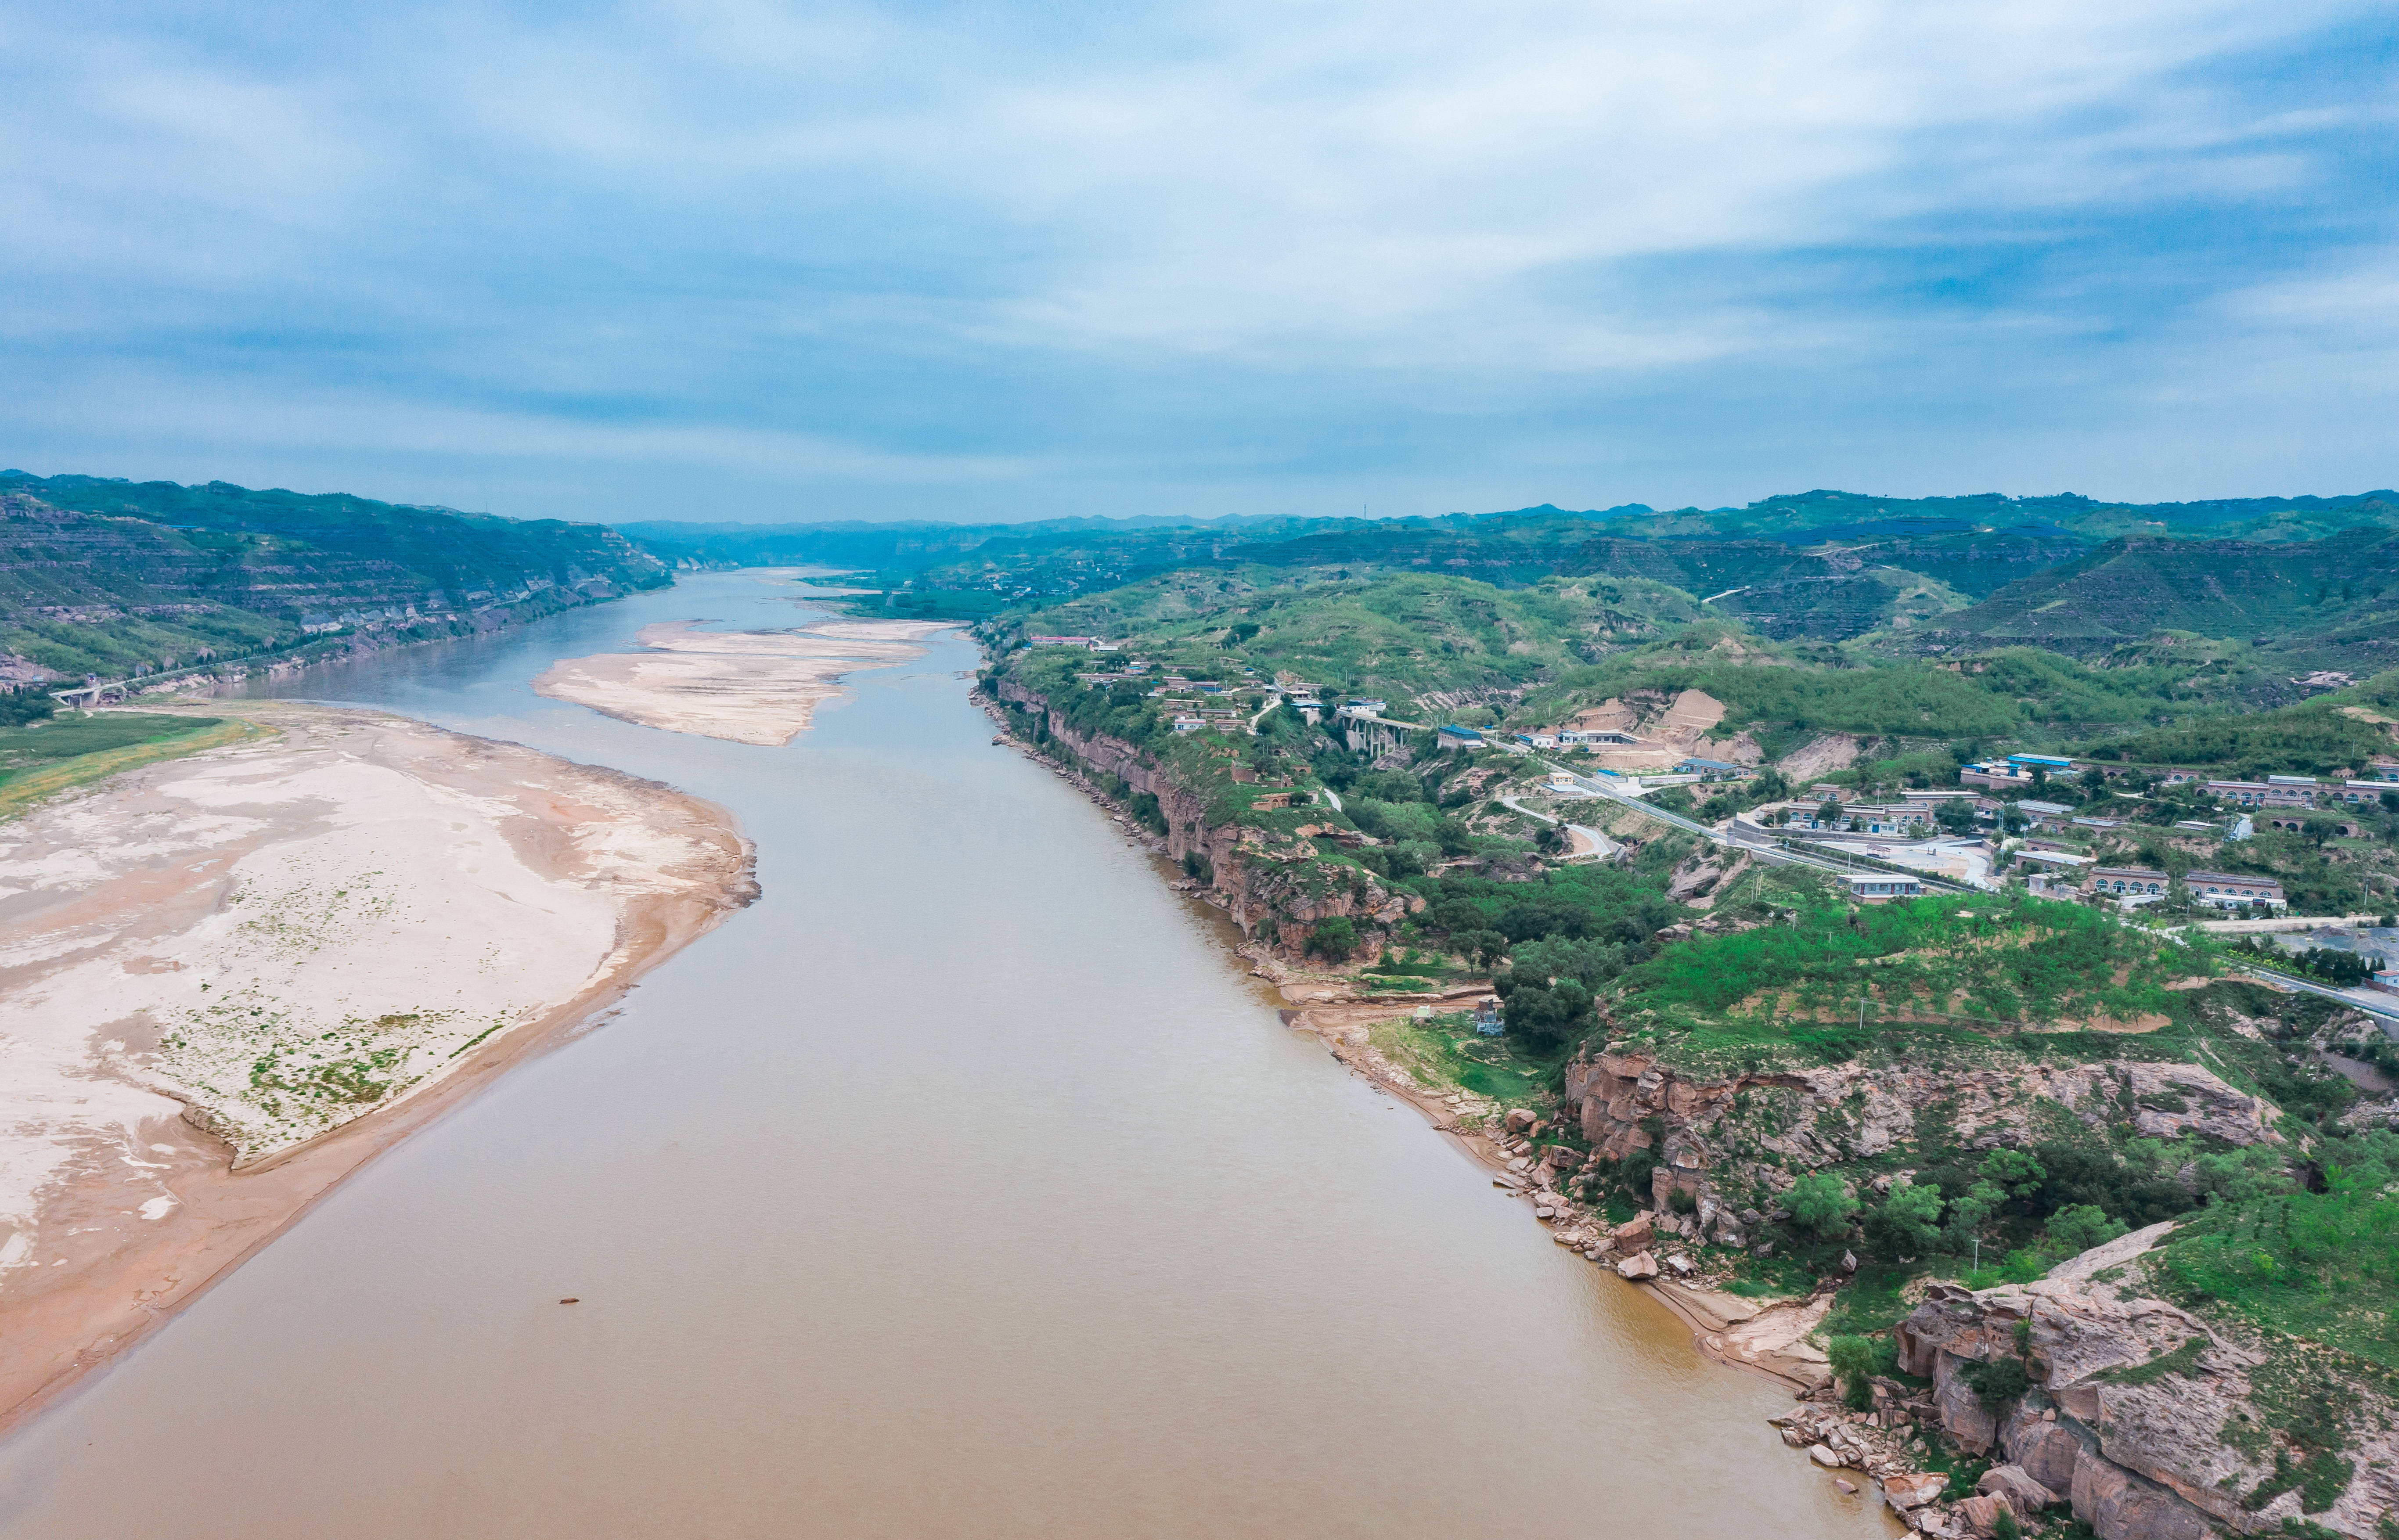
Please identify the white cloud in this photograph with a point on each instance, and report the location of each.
(798, 217)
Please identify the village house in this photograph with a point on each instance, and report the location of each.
(2230, 890)
(1878, 887)
(2273, 791)
(2127, 880)
(2015, 770)
(2040, 815)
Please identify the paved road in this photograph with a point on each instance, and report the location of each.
(1599, 844)
(2367, 1000)
(1764, 850)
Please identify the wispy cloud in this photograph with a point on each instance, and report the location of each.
(1079, 256)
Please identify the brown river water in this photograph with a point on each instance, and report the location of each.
(966, 1185)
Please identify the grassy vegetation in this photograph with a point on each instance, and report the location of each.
(1398, 635)
(2323, 1265)
(44, 759)
(1446, 1052)
(1830, 983)
(2312, 738)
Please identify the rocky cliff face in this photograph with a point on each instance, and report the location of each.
(2151, 1423)
(1734, 1143)
(1255, 880)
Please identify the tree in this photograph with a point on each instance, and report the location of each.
(1591, 961)
(1543, 1017)
(1821, 1202)
(1829, 815)
(1333, 940)
(2080, 1226)
(1853, 1360)
(2016, 1171)
(1908, 1223)
(1972, 1209)
(1484, 947)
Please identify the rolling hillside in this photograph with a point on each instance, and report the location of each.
(112, 577)
(2338, 593)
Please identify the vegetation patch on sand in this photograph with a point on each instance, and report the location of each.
(46, 758)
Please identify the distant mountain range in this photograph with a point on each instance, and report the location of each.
(2065, 572)
(105, 576)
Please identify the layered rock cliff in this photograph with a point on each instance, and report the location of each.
(1730, 1144)
(1272, 886)
(2148, 1421)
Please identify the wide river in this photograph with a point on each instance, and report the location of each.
(965, 1185)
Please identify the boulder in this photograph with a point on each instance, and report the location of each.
(1634, 1233)
(1913, 1490)
(2120, 1506)
(1520, 1119)
(1825, 1457)
(1982, 1515)
(1637, 1267)
(2018, 1490)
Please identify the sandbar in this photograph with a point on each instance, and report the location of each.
(233, 979)
(759, 687)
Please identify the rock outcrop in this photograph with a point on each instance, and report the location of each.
(2149, 1421)
(1251, 883)
(1731, 1143)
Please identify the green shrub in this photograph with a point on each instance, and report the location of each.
(1821, 1203)
(1333, 940)
(1853, 1360)
(1998, 1381)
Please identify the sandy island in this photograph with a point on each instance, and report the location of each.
(758, 687)
(231, 980)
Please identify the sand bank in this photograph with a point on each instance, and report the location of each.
(232, 979)
(747, 686)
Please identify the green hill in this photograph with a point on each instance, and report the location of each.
(112, 577)
(2340, 592)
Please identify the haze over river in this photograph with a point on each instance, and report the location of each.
(965, 1185)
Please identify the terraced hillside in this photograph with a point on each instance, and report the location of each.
(113, 577)
(2340, 592)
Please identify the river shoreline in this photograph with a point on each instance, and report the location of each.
(1723, 1327)
(137, 1180)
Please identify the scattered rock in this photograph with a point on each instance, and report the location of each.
(1915, 1490)
(1849, 1487)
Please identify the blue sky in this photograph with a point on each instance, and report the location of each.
(977, 261)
